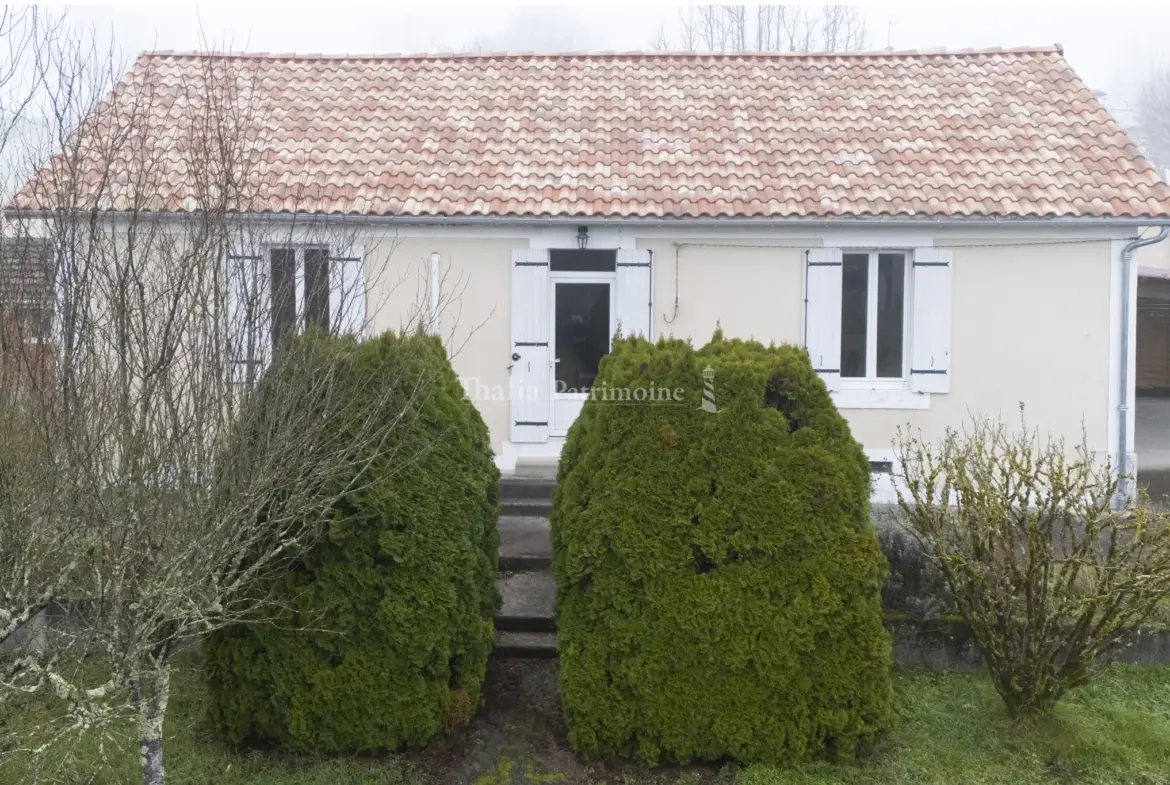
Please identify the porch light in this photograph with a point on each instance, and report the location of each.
(582, 237)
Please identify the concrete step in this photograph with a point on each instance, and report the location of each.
(537, 467)
(525, 507)
(525, 545)
(526, 645)
(529, 602)
(527, 487)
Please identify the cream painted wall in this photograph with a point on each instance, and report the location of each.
(752, 292)
(1030, 317)
(1030, 323)
(474, 321)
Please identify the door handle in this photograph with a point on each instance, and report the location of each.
(515, 356)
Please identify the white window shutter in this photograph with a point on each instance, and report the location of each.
(930, 326)
(633, 294)
(247, 317)
(822, 313)
(531, 369)
(347, 291)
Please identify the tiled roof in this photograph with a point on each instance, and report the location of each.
(998, 133)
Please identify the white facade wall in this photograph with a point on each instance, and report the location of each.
(1034, 316)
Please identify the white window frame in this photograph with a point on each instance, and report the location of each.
(873, 391)
(298, 250)
(871, 381)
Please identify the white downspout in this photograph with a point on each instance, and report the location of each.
(436, 282)
(1123, 407)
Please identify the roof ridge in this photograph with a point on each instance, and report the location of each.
(764, 55)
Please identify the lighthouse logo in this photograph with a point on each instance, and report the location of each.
(708, 404)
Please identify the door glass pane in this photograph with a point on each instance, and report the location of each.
(582, 334)
(890, 301)
(854, 308)
(317, 287)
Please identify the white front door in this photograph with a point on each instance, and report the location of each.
(583, 320)
(566, 306)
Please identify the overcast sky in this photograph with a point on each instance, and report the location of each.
(1111, 44)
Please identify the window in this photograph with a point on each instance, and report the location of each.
(581, 330)
(300, 284)
(877, 324)
(873, 315)
(582, 261)
(273, 295)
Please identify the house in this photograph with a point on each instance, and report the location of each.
(946, 232)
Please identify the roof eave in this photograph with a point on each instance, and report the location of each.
(762, 221)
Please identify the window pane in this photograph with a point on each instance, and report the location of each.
(582, 334)
(572, 260)
(854, 307)
(891, 298)
(284, 300)
(317, 287)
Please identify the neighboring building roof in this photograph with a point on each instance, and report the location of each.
(1154, 272)
(993, 134)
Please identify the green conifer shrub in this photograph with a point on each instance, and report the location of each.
(387, 625)
(718, 579)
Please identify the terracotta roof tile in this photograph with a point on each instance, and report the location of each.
(994, 133)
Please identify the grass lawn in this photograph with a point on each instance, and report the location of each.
(952, 730)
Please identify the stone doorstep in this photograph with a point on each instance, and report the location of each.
(529, 602)
(525, 507)
(525, 544)
(527, 488)
(540, 468)
(526, 645)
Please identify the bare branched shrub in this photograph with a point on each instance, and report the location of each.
(1047, 572)
(138, 320)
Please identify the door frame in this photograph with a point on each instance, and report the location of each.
(563, 402)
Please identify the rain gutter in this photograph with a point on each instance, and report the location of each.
(498, 220)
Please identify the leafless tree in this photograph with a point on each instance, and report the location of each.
(152, 471)
(1153, 116)
(765, 28)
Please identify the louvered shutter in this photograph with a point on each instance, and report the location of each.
(822, 313)
(347, 291)
(633, 294)
(247, 317)
(531, 382)
(930, 357)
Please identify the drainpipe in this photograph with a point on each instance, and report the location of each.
(436, 282)
(1123, 407)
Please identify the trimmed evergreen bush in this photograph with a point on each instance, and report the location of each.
(718, 580)
(389, 621)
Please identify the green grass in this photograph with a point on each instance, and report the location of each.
(952, 730)
(194, 757)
